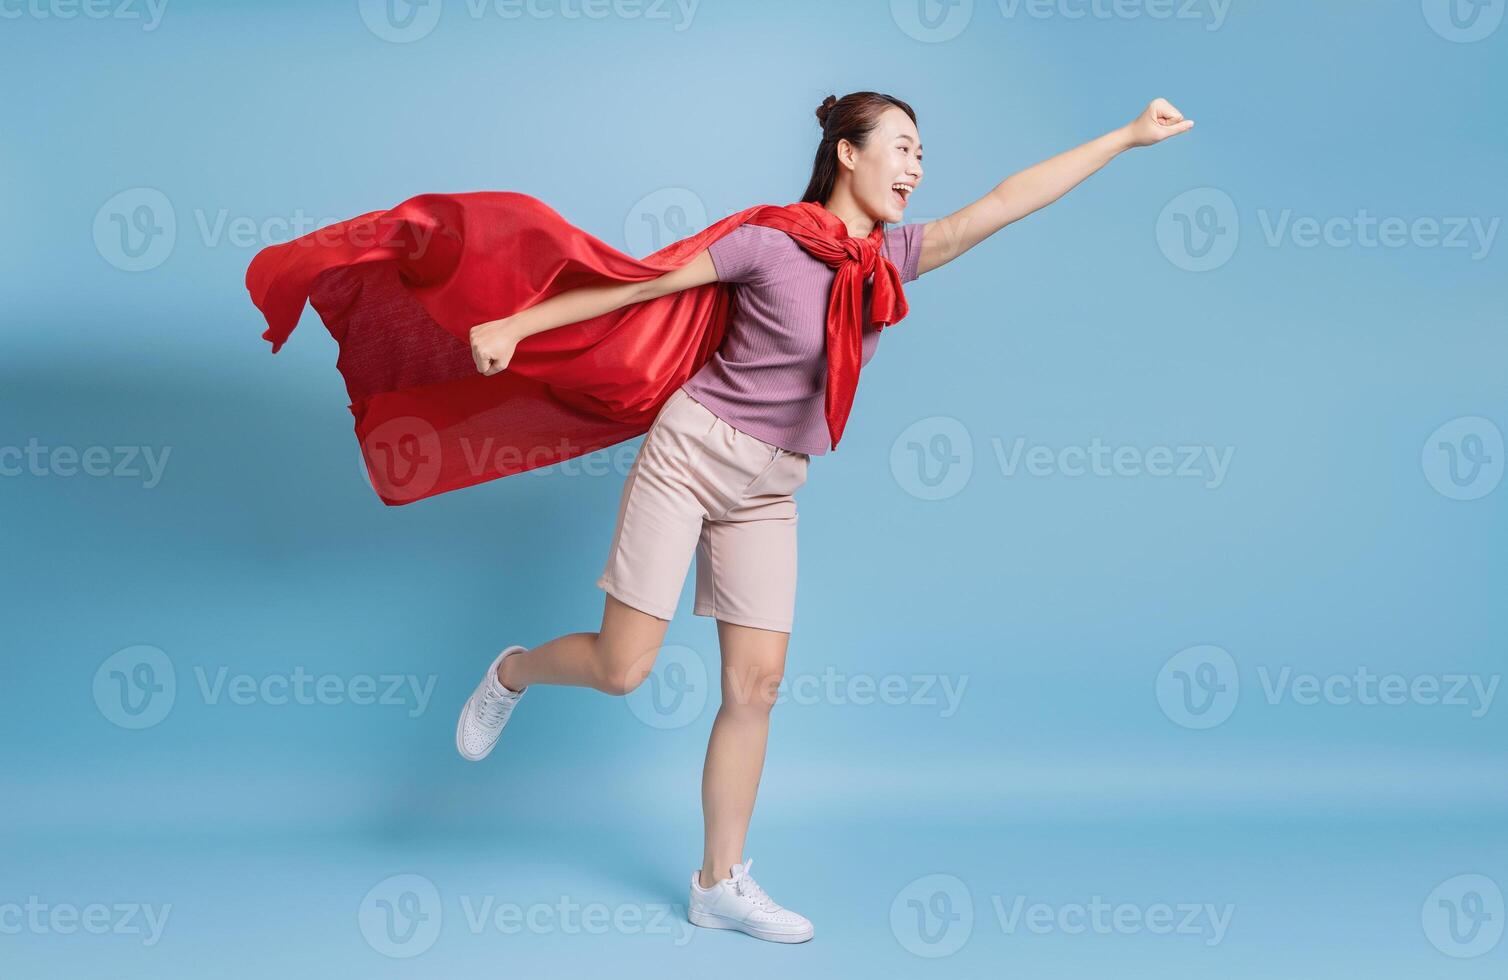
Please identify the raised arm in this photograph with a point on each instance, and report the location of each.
(493, 342)
(1038, 186)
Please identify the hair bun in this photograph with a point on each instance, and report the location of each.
(825, 109)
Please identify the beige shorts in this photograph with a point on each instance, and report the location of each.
(700, 484)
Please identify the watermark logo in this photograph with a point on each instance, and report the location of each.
(932, 916)
(933, 458)
(135, 688)
(400, 21)
(662, 218)
(1463, 459)
(136, 229)
(1198, 230)
(1463, 916)
(400, 917)
(403, 458)
(676, 691)
(1464, 21)
(932, 21)
(1198, 687)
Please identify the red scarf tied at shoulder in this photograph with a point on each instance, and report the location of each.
(824, 236)
(400, 290)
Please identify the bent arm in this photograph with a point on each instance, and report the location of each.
(576, 305)
(1016, 197)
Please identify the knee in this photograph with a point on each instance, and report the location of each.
(751, 693)
(620, 672)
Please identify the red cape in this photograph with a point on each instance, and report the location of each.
(400, 290)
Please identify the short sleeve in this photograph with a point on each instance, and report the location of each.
(742, 254)
(903, 246)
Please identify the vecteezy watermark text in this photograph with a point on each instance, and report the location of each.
(1361, 686)
(933, 459)
(933, 916)
(402, 916)
(149, 12)
(406, 21)
(137, 230)
(1199, 230)
(303, 688)
(136, 688)
(120, 462)
(1199, 687)
(677, 688)
(1205, 920)
(1206, 463)
(935, 21)
(39, 918)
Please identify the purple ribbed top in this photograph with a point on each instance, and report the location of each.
(769, 376)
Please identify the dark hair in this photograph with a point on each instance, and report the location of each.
(851, 118)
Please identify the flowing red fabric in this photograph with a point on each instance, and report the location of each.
(400, 290)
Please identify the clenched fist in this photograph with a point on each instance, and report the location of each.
(492, 345)
(1157, 123)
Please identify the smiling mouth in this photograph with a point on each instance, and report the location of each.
(900, 193)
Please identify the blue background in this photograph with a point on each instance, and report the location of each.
(1072, 766)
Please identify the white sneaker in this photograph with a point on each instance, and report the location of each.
(739, 903)
(486, 712)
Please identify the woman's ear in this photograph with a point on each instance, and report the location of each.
(847, 154)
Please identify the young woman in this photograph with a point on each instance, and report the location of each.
(718, 469)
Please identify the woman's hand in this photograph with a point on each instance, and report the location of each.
(1157, 123)
(492, 345)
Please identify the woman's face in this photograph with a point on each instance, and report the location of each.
(889, 168)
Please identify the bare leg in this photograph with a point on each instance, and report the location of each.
(753, 664)
(614, 660)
